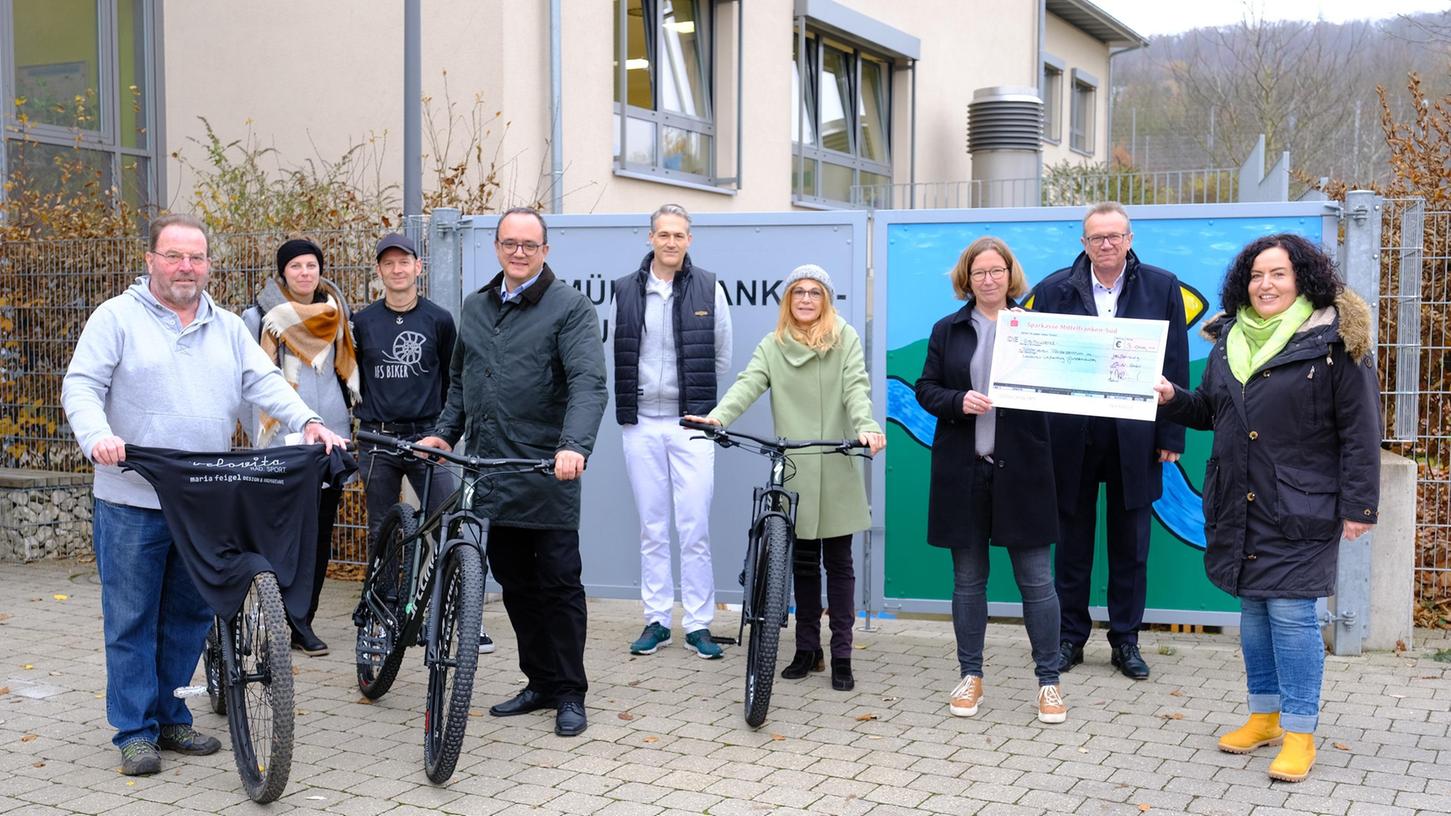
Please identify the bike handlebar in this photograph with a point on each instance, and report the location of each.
(725, 438)
(474, 463)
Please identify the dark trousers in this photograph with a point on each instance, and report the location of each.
(383, 476)
(539, 573)
(327, 515)
(1128, 546)
(835, 555)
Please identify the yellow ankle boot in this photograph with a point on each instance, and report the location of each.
(1261, 730)
(1296, 758)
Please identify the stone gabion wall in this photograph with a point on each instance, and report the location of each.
(45, 520)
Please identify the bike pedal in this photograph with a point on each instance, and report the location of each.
(371, 649)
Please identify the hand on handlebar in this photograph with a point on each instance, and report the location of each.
(433, 442)
(568, 465)
(109, 450)
(316, 432)
(874, 441)
(701, 420)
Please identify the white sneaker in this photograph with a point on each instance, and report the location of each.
(1051, 708)
(486, 643)
(966, 697)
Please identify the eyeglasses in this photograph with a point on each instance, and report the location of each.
(808, 294)
(1107, 239)
(510, 246)
(996, 273)
(175, 258)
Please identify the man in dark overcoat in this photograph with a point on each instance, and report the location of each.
(1108, 280)
(527, 380)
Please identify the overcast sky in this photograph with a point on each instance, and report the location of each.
(1151, 17)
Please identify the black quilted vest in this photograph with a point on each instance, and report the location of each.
(693, 318)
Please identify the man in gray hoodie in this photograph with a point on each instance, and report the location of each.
(161, 365)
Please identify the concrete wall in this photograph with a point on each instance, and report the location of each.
(1078, 50)
(322, 76)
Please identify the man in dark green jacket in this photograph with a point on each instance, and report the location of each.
(527, 380)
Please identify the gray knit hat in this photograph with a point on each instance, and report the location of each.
(813, 272)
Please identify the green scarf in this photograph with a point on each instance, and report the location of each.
(1254, 340)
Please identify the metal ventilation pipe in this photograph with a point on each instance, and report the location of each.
(1005, 140)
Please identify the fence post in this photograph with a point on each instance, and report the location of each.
(445, 260)
(1360, 262)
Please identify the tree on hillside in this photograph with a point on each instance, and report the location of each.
(1202, 98)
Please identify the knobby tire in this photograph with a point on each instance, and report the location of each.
(376, 674)
(260, 701)
(769, 613)
(451, 677)
(212, 665)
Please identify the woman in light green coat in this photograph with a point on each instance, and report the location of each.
(816, 372)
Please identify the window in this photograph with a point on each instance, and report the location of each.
(669, 128)
(1052, 95)
(1082, 111)
(842, 129)
(78, 91)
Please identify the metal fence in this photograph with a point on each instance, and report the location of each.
(49, 288)
(1056, 189)
(1414, 349)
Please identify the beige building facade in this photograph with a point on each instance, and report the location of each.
(715, 119)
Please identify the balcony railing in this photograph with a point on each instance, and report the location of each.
(1056, 189)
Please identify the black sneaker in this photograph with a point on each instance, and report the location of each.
(139, 758)
(184, 739)
(486, 643)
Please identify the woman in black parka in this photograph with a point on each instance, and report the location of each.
(1290, 392)
(985, 462)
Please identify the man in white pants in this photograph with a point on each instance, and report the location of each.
(672, 345)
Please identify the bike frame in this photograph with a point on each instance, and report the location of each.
(431, 543)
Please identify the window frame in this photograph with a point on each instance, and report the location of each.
(106, 139)
(1083, 117)
(810, 45)
(1052, 80)
(707, 18)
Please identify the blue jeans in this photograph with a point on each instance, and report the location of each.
(1284, 659)
(1040, 607)
(154, 620)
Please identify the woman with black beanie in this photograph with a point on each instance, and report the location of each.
(302, 321)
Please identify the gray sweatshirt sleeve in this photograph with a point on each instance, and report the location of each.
(88, 379)
(723, 338)
(264, 387)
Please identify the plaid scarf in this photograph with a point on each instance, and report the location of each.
(306, 330)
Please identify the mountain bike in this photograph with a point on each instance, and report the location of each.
(247, 657)
(434, 565)
(770, 543)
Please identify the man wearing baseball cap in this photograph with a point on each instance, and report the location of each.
(405, 342)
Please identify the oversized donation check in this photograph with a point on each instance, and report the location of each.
(1071, 364)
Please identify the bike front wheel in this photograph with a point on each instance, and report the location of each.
(379, 652)
(772, 575)
(451, 675)
(212, 667)
(259, 690)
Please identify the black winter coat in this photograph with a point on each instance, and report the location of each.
(1149, 293)
(1024, 505)
(527, 380)
(1296, 450)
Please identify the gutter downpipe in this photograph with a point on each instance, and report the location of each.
(412, 111)
(556, 109)
(1108, 138)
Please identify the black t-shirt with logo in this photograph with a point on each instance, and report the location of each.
(235, 514)
(403, 360)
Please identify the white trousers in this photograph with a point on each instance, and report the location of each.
(669, 470)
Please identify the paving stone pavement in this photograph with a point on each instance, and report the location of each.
(666, 736)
